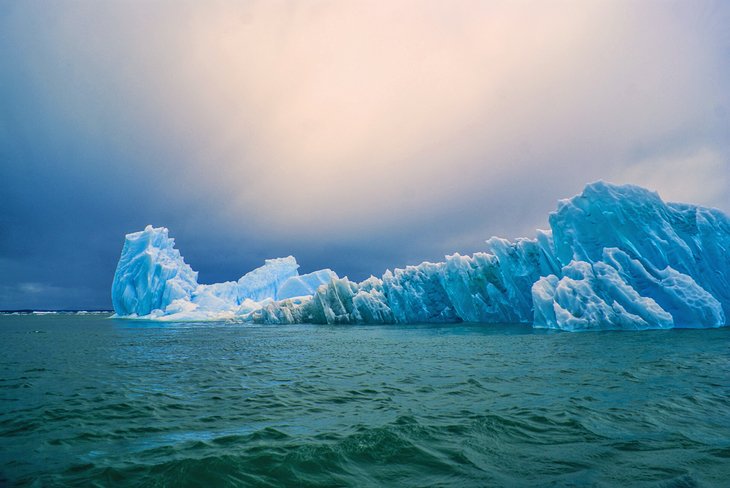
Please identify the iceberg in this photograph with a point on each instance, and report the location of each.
(153, 281)
(614, 257)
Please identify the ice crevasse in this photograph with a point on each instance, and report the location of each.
(615, 257)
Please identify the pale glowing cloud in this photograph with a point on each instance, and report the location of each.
(341, 112)
(700, 175)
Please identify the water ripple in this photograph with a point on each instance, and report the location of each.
(104, 403)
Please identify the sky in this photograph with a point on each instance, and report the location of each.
(353, 135)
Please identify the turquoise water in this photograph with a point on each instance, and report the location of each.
(91, 400)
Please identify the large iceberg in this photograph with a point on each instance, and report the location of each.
(615, 257)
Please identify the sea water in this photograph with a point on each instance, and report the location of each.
(90, 400)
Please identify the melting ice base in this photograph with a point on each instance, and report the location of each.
(615, 257)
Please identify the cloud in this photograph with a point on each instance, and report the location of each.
(390, 131)
(338, 116)
(697, 176)
(40, 296)
(31, 287)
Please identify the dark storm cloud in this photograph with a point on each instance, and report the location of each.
(354, 136)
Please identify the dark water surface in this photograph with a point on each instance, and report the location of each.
(90, 400)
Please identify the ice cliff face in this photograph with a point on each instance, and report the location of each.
(631, 261)
(615, 257)
(150, 274)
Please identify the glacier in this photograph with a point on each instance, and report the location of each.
(614, 257)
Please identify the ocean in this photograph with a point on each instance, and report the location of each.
(86, 400)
